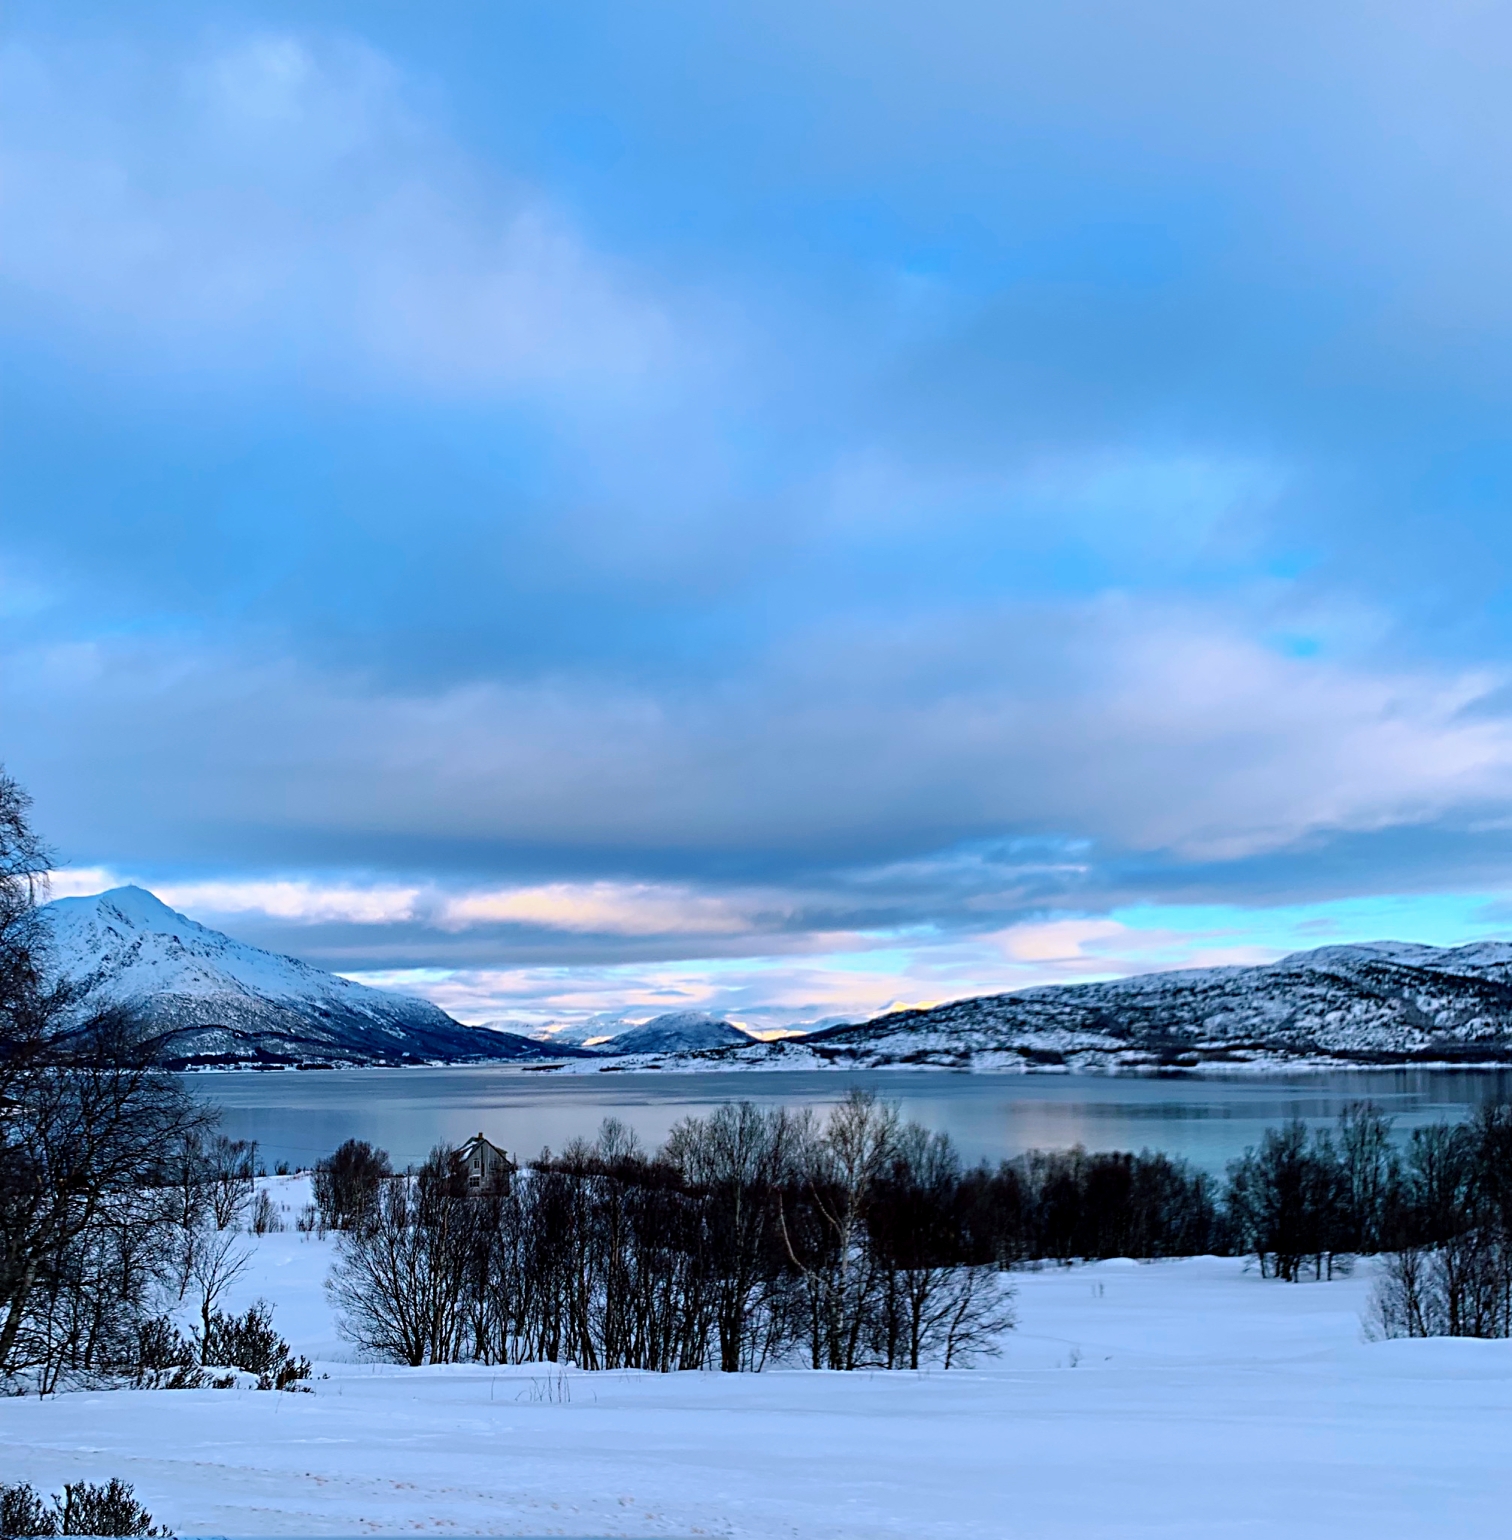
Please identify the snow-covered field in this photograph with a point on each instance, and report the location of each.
(1170, 1399)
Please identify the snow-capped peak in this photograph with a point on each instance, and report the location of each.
(128, 942)
(677, 1032)
(215, 999)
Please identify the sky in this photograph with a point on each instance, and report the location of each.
(782, 509)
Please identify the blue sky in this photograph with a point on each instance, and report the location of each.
(786, 508)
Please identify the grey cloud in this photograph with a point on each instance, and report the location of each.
(1157, 730)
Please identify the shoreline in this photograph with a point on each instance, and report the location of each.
(1202, 1071)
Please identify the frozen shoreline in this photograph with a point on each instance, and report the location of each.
(982, 1063)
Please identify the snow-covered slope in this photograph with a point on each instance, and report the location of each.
(1378, 1003)
(215, 1000)
(677, 1032)
(1185, 1400)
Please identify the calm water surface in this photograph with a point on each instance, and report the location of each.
(299, 1116)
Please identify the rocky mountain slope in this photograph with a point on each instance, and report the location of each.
(1379, 1003)
(217, 1001)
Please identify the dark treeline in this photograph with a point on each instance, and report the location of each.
(757, 1237)
(750, 1237)
(1439, 1208)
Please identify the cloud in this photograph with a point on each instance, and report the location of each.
(1059, 940)
(304, 902)
(520, 503)
(280, 195)
(601, 908)
(79, 882)
(1159, 731)
(768, 991)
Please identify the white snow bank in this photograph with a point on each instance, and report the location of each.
(1189, 1399)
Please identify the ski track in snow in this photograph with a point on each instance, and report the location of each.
(1178, 1399)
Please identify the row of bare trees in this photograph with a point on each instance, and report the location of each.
(760, 1236)
(1438, 1206)
(751, 1237)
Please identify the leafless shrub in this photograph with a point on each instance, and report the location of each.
(250, 1342)
(1459, 1288)
(266, 1219)
(80, 1509)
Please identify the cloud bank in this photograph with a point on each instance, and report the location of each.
(794, 509)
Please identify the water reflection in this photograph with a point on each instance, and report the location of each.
(299, 1116)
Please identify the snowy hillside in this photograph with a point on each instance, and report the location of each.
(215, 1000)
(1379, 1003)
(677, 1032)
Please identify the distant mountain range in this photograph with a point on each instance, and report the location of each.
(212, 1000)
(1384, 1002)
(673, 1032)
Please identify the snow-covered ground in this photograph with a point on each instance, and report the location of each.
(1187, 1399)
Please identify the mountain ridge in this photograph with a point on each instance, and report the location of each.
(1383, 1002)
(677, 1032)
(211, 1000)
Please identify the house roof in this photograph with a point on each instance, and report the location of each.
(477, 1139)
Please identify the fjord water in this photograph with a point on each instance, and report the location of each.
(299, 1116)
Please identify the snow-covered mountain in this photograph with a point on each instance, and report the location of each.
(575, 1034)
(1387, 1002)
(215, 1001)
(677, 1032)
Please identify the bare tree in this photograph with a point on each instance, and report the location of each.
(230, 1167)
(85, 1119)
(348, 1183)
(400, 1277)
(739, 1157)
(80, 1153)
(823, 1227)
(941, 1300)
(217, 1259)
(28, 1004)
